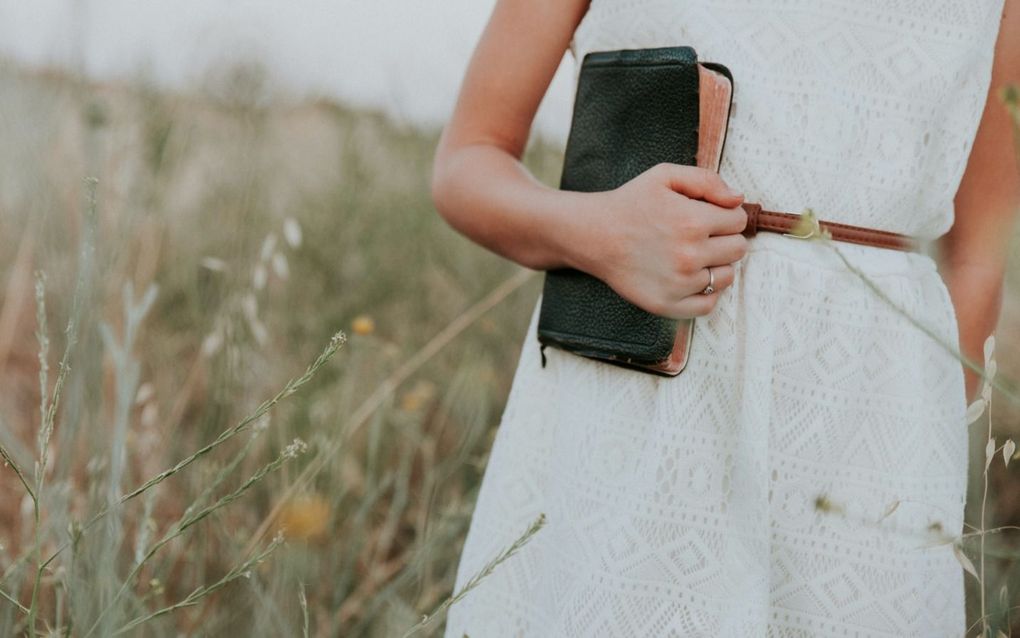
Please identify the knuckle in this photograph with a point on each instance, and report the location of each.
(685, 262)
(726, 283)
(688, 226)
(708, 178)
(719, 181)
(741, 221)
(666, 198)
(661, 170)
(743, 243)
(690, 217)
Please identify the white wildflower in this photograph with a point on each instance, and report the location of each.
(145, 392)
(94, 465)
(259, 277)
(212, 343)
(268, 246)
(250, 306)
(258, 329)
(296, 447)
(975, 410)
(339, 339)
(261, 424)
(150, 414)
(214, 263)
(292, 232)
(965, 562)
(986, 388)
(280, 265)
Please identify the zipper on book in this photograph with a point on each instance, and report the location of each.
(541, 351)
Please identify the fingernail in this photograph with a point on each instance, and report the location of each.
(733, 193)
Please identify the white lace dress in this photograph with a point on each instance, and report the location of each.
(688, 506)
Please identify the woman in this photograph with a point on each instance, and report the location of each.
(750, 495)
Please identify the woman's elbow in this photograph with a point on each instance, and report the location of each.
(441, 184)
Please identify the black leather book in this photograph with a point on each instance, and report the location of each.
(633, 109)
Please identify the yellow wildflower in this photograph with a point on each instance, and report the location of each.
(363, 325)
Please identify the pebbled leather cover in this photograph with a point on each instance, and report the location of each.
(633, 109)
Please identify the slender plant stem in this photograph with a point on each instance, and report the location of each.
(984, 505)
(303, 600)
(13, 601)
(921, 326)
(198, 594)
(48, 408)
(14, 466)
(984, 618)
(481, 575)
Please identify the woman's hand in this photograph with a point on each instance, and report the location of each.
(650, 240)
(653, 239)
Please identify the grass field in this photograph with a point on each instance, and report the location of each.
(231, 237)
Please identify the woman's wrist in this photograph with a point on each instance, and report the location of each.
(976, 293)
(491, 198)
(573, 231)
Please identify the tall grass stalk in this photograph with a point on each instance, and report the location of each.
(127, 373)
(49, 403)
(986, 395)
(482, 574)
(303, 601)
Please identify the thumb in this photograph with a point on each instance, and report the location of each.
(701, 183)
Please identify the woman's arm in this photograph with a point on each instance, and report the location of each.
(476, 164)
(651, 239)
(975, 250)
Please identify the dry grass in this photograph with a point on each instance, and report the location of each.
(232, 238)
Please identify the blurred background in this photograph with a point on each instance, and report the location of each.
(261, 184)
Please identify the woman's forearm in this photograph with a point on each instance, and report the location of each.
(976, 292)
(489, 196)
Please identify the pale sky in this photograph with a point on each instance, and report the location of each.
(406, 56)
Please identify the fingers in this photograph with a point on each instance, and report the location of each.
(699, 183)
(716, 220)
(721, 278)
(696, 306)
(700, 304)
(723, 249)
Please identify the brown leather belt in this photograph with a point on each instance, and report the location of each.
(759, 219)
